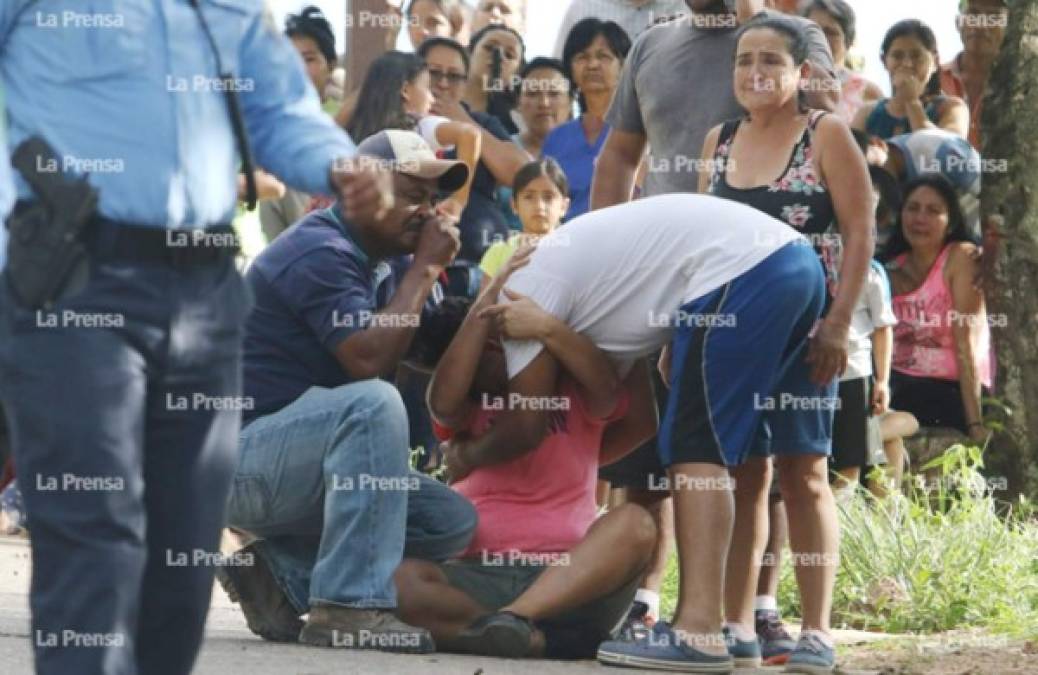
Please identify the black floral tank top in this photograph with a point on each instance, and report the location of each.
(797, 198)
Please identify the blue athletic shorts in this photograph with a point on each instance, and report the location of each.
(740, 383)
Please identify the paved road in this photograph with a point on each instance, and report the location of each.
(231, 649)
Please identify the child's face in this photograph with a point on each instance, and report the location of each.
(540, 206)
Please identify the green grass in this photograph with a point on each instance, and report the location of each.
(944, 555)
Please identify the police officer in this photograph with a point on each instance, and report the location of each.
(122, 389)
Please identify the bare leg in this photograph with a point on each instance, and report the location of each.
(615, 550)
(426, 599)
(771, 562)
(749, 538)
(703, 522)
(659, 504)
(813, 533)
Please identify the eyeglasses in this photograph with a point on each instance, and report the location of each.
(453, 79)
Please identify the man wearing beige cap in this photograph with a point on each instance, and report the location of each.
(323, 479)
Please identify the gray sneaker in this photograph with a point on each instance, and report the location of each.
(356, 628)
(811, 657)
(266, 607)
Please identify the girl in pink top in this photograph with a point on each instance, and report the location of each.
(942, 341)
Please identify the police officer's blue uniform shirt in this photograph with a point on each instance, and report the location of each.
(128, 92)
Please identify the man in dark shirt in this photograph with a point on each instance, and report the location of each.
(323, 476)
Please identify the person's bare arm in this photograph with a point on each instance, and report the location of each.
(594, 372)
(846, 176)
(882, 350)
(955, 117)
(968, 322)
(378, 349)
(639, 424)
(468, 139)
(709, 148)
(862, 116)
(517, 430)
(502, 158)
(451, 382)
(616, 168)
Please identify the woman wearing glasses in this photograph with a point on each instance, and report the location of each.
(482, 222)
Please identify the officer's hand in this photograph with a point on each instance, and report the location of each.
(440, 241)
(366, 191)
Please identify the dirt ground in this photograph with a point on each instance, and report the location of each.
(953, 653)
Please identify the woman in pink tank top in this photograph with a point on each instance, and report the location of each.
(942, 343)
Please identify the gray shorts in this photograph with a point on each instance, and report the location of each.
(575, 634)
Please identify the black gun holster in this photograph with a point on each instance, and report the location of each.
(45, 252)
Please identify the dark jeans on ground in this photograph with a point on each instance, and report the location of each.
(123, 407)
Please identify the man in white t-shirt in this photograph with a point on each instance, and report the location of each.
(735, 293)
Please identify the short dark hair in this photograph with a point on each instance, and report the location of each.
(583, 34)
(436, 331)
(796, 39)
(957, 229)
(545, 166)
(379, 105)
(543, 63)
(842, 12)
(311, 23)
(490, 28)
(919, 30)
(450, 43)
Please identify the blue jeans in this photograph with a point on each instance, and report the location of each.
(325, 482)
(121, 481)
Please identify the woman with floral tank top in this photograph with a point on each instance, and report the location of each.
(804, 168)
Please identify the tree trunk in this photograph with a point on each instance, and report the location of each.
(369, 27)
(1010, 132)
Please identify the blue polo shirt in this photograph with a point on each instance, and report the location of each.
(313, 287)
(568, 146)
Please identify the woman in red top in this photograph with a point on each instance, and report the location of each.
(942, 340)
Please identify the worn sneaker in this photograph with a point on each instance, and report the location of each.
(745, 653)
(357, 628)
(661, 650)
(776, 644)
(267, 609)
(811, 656)
(638, 624)
(502, 634)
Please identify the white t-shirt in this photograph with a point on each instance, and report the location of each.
(427, 130)
(619, 275)
(873, 311)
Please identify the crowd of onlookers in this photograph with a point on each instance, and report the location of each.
(630, 105)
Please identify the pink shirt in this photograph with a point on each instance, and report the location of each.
(543, 501)
(924, 340)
